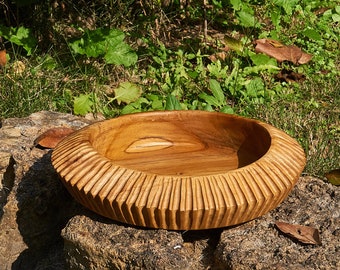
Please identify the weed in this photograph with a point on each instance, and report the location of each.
(171, 57)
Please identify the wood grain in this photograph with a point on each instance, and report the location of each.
(179, 170)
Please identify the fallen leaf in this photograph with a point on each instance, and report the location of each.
(304, 234)
(333, 177)
(275, 43)
(282, 52)
(51, 137)
(3, 58)
(321, 11)
(218, 56)
(290, 76)
(213, 58)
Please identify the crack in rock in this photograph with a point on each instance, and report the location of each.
(7, 176)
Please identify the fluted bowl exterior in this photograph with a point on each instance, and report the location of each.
(163, 170)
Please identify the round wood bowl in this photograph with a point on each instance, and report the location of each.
(179, 170)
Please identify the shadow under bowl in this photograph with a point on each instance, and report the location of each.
(179, 170)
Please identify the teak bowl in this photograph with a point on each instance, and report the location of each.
(179, 170)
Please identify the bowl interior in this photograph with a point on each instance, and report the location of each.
(181, 143)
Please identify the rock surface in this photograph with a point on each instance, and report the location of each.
(34, 205)
(259, 245)
(42, 227)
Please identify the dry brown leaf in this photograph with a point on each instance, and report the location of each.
(218, 56)
(51, 137)
(3, 59)
(290, 76)
(304, 234)
(282, 52)
(333, 177)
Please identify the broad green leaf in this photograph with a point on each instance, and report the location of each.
(216, 89)
(337, 9)
(135, 107)
(105, 42)
(212, 101)
(254, 87)
(237, 4)
(77, 46)
(227, 109)
(208, 108)
(246, 19)
(312, 34)
(157, 104)
(82, 104)
(127, 92)
(131, 108)
(336, 17)
(287, 5)
(262, 59)
(20, 36)
(122, 54)
(172, 103)
(94, 43)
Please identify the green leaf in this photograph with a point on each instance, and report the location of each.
(246, 19)
(312, 34)
(127, 92)
(254, 88)
(262, 59)
(337, 9)
(20, 36)
(336, 17)
(209, 99)
(122, 54)
(260, 68)
(237, 4)
(172, 103)
(77, 46)
(287, 5)
(216, 89)
(227, 109)
(276, 17)
(83, 104)
(208, 108)
(105, 42)
(131, 108)
(156, 103)
(135, 107)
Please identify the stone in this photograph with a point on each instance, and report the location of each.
(34, 206)
(42, 227)
(92, 243)
(258, 244)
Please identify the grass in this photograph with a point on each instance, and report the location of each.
(313, 120)
(174, 64)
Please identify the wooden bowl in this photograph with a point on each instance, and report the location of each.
(179, 170)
